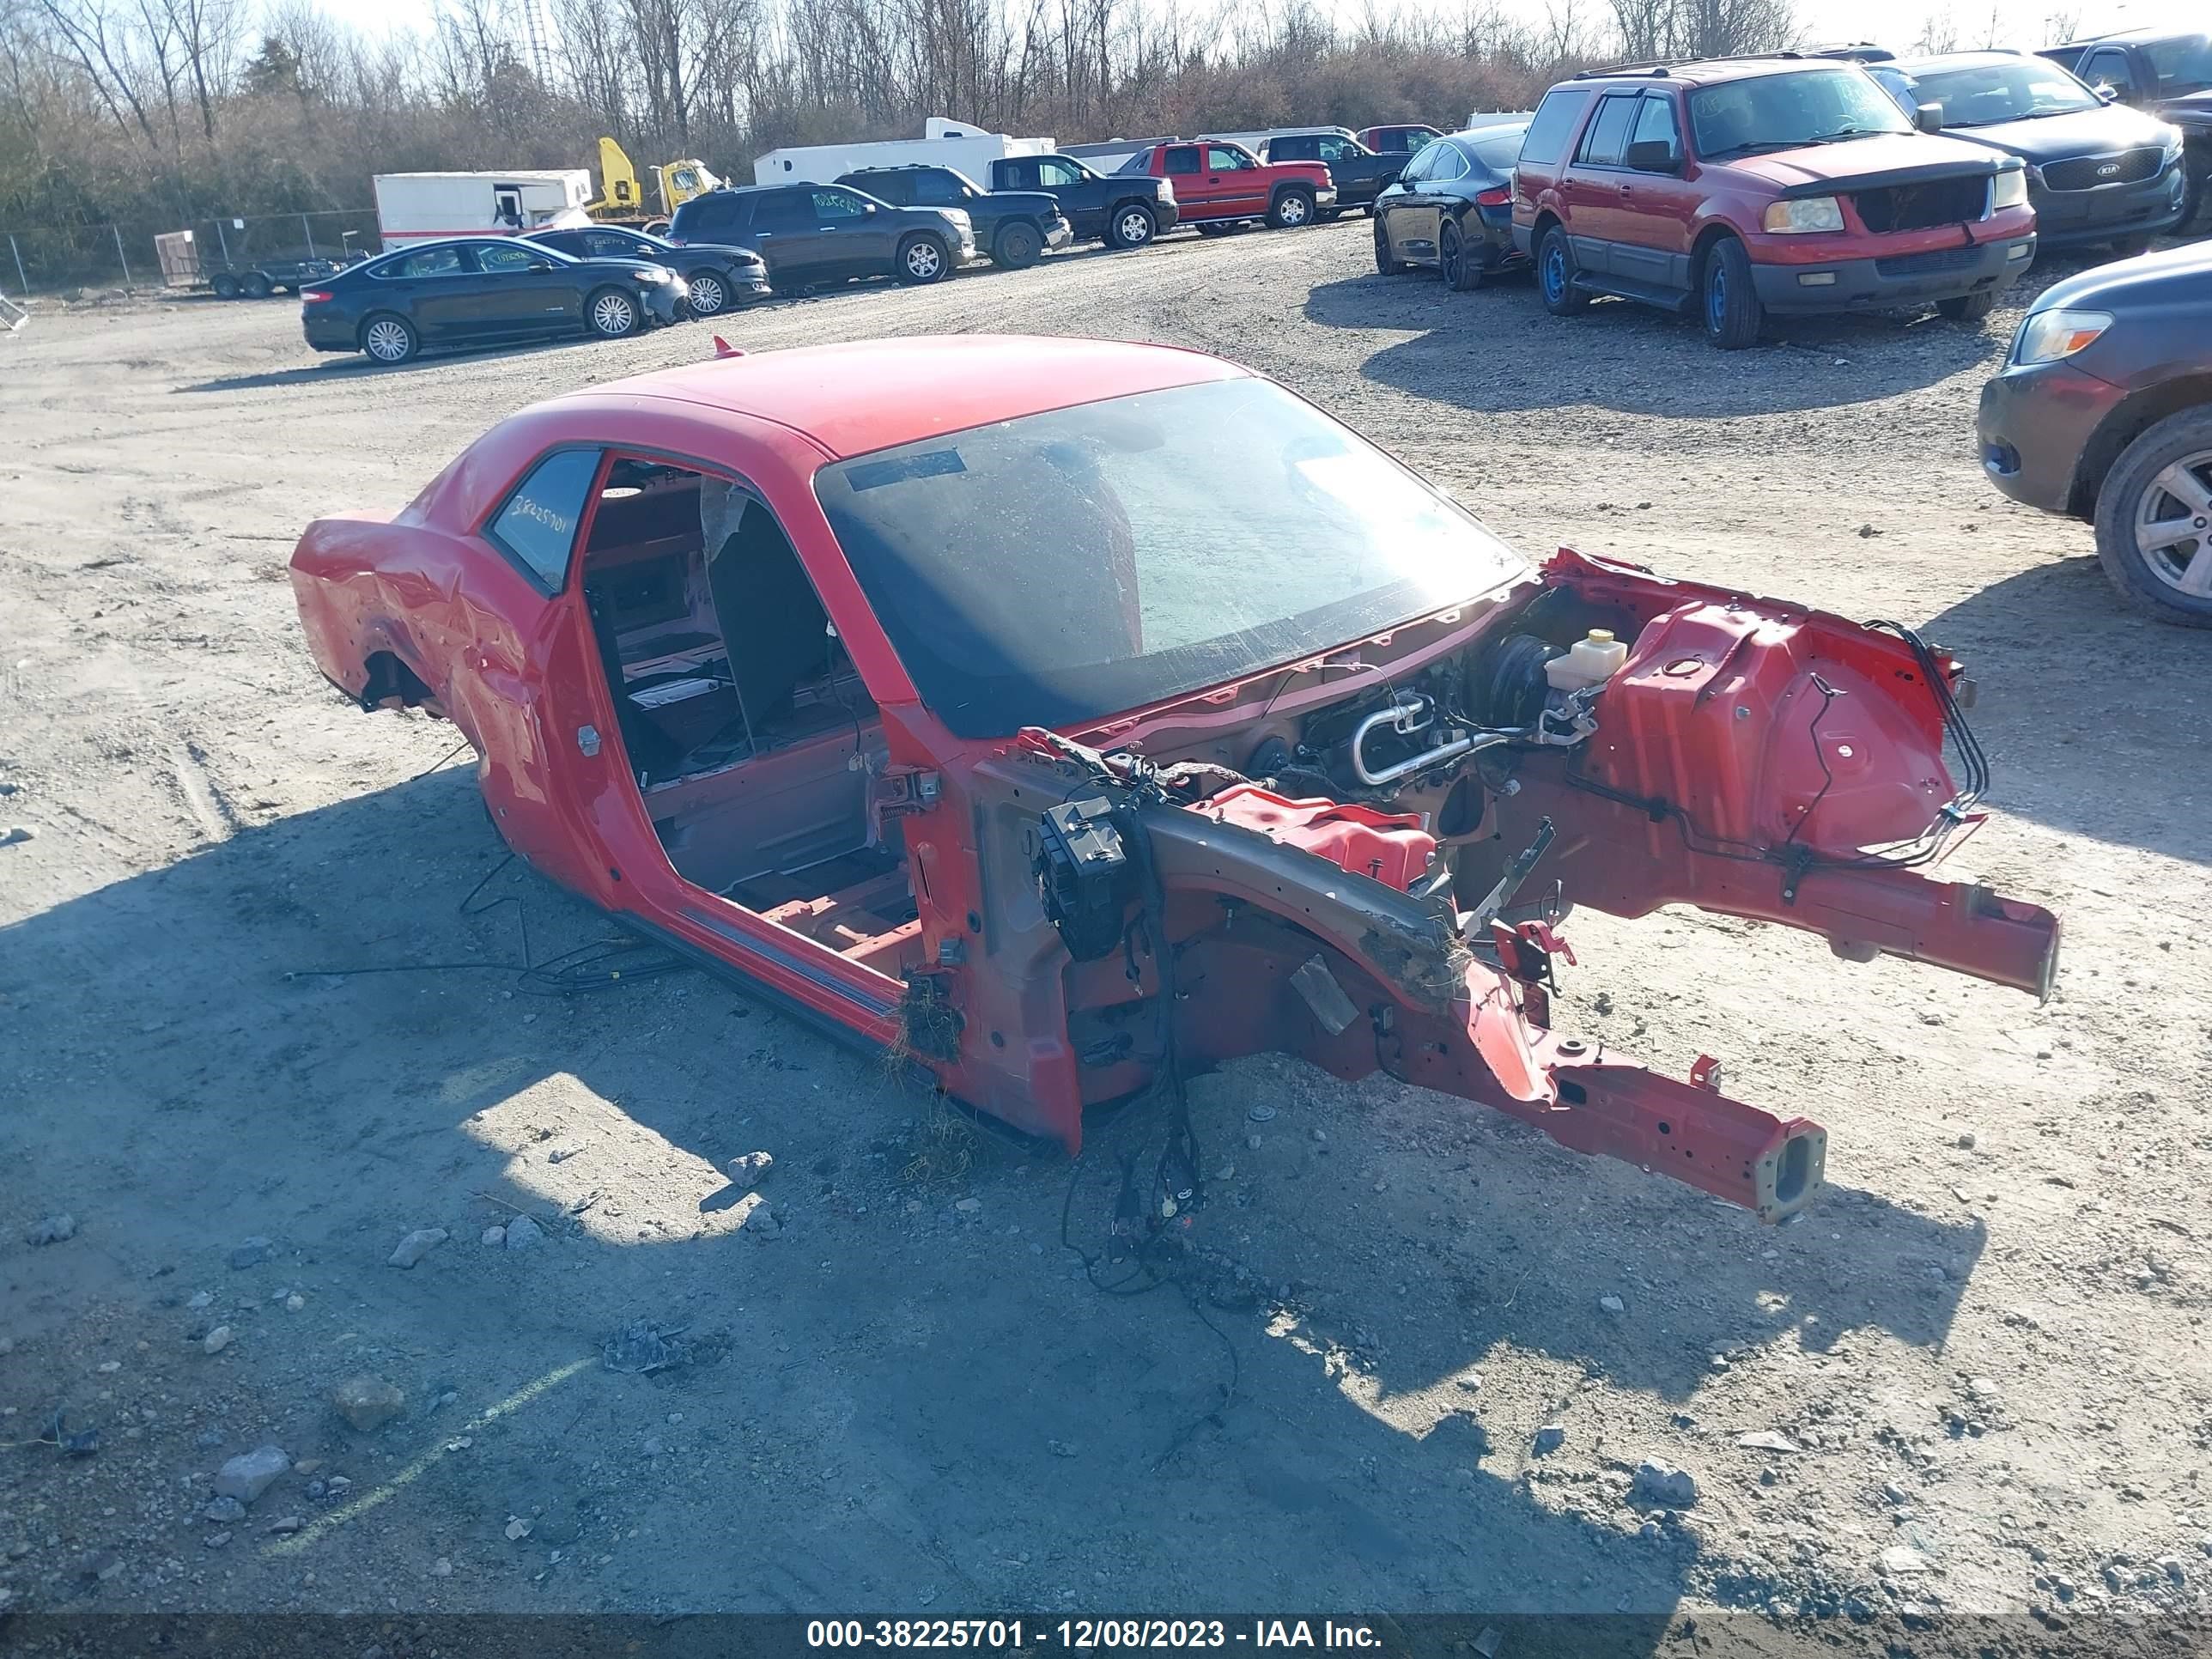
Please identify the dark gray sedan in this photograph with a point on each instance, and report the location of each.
(2104, 411)
(1452, 208)
(481, 290)
(718, 277)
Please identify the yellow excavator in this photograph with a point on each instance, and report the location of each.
(621, 196)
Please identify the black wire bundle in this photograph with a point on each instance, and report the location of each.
(599, 966)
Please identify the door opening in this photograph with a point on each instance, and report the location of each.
(750, 735)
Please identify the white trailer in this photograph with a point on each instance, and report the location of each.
(945, 143)
(417, 206)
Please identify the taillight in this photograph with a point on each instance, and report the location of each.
(316, 296)
(1496, 196)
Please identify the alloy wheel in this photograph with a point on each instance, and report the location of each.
(614, 314)
(923, 261)
(2173, 526)
(1135, 228)
(386, 341)
(707, 295)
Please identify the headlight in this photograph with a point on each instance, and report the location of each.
(2008, 190)
(959, 216)
(1167, 189)
(2174, 140)
(2048, 336)
(1805, 216)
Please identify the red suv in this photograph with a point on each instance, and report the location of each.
(1749, 186)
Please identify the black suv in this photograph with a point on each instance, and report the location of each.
(2104, 411)
(1121, 212)
(719, 278)
(2168, 75)
(818, 232)
(2096, 172)
(1360, 174)
(1014, 227)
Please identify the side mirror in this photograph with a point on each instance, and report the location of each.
(1653, 155)
(2107, 94)
(868, 207)
(1927, 118)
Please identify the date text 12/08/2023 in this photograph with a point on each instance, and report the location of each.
(1015, 1635)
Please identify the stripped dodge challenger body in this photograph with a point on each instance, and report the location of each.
(1068, 717)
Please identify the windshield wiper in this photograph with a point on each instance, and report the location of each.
(1846, 134)
(1759, 147)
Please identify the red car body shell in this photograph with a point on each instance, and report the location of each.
(422, 608)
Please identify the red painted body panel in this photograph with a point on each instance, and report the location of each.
(1209, 195)
(1391, 847)
(1671, 212)
(1254, 886)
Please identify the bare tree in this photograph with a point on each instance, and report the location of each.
(1939, 33)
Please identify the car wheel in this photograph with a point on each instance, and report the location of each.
(922, 259)
(2155, 520)
(1462, 269)
(1214, 228)
(388, 339)
(1386, 263)
(224, 284)
(709, 294)
(1555, 274)
(1968, 307)
(1132, 226)
(1291, 210)
(257, 285)
(1728, 304)
(611, 313)
(1017, 247)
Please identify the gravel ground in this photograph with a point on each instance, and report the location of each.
(1430, 1350)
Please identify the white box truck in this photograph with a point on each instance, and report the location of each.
(417, 206)
(945, 143)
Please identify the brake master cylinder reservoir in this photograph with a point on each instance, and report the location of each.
(1595, 658)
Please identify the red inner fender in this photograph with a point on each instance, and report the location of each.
(1763, 735)
(1390, 847)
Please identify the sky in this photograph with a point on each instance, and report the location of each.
(1893, 23)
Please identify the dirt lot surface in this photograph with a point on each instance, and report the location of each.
(1985, 1347)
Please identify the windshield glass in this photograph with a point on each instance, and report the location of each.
(1062, 566)
(1987, 94)
(2183, 66)
(1783, 111)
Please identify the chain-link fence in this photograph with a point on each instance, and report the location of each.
(248, 255)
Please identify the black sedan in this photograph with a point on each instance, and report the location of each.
(2103, 412)
(718, 275)
(2097, 171)
(1452, 208)
(483, 290)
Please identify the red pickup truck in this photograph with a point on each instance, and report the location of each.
(1219, 186)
